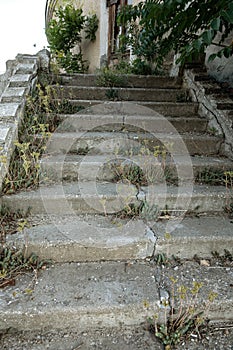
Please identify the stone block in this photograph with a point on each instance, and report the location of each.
(14, 94)
(19, 80)
(8, 110)
(4, 132)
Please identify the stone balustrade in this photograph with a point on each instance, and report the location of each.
(15, 84)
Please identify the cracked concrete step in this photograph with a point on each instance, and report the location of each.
(177, 109)
(109, 198)
(127, 80)
(109, 168)
(156, 123)
(107, 295)
(133, 143)
(124, 94)
(89, 238)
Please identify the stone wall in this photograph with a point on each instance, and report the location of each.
(219, 119)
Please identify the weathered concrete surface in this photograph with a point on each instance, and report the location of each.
(194, 236)
(131, 94)
(127, 338)
(70, 167)
(126, 143)
(87, 296)
(91, 197)
(88, 239)
(100, 238)
(82, 296)
(156, 123)
(141, 81)
(177, 109)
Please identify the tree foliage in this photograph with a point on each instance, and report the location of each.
(64, 32)
(155, 28)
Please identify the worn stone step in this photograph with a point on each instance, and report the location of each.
(177, 109)
(154, 168)
(156, 123)
(109, 198)
(224, 103)
(124, 94)
(89, 238)
(127, 80)
(106, 295)
(133, 143)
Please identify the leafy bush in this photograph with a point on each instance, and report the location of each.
(155, 28)
(64, 32)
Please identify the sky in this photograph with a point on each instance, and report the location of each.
(22, 24)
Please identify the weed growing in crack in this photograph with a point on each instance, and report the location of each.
(182, 315)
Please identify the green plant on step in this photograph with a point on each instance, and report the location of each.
(108, 77)
(131, 173)
(182, 97)
(182, 315)
(212, 131)
(66, 32)
(14, 262)
(154, 161)
(10, 221)
(226, 259)
(130, 211)
(112, 94)
(211, 176)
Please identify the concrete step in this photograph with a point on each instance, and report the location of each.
(74, 296)
(125, 143)
(120, 94)
(192, 236)
(140, 81)
(109, 168)
(169, 109)
(107, 295)
(156, 123)
(88, 238)
(109, 198)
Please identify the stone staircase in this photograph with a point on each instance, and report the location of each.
(135, 174)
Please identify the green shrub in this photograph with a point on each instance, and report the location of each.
(64, 33)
